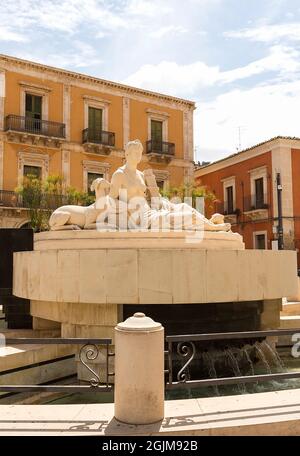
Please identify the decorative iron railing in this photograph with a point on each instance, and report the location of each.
(90, 135)
(160, 147)
(183, 348)
(35, 126)
(251, 203)
(89, 351)
(43, 201)
(225, 208)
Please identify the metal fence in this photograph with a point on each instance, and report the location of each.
(184, 348)
(89, 351)
(43, 201)
(35, 126)
(91, 135)
(160, 147)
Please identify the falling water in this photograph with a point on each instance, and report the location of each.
(273, 355)
(262, 357)
(245, 352)
(236, 370)
(209, 363)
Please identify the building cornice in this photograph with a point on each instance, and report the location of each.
(6, 63)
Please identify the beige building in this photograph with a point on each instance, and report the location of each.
(54, 121)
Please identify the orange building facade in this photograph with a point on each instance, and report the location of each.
(245, 185)
(57, 122)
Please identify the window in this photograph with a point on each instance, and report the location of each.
(259, 193)
(160, 184)
(35, 171)
(260, 241)
(95, 119)
(229, 200)
(156, 134)
(229, 195)
(33, 112)
(90, 178)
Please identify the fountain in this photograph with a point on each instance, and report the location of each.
(99, 265)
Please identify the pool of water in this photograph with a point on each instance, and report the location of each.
(290, 365)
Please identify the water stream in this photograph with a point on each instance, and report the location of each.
(235, 367)
(273, 355)
(262, 357)
(209, 364)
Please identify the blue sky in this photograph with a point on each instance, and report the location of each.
(238, 59)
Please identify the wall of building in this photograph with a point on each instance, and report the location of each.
(296, 197)
(214, 182)
(66, 96)
(13, 84)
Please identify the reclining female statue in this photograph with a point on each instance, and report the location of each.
(128, 186)
(129, 203)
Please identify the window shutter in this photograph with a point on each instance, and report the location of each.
(156, 131)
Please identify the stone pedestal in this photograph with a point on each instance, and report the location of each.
(139, 370)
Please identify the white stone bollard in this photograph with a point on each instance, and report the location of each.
(139, 370)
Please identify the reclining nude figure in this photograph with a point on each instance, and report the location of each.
(129, 193)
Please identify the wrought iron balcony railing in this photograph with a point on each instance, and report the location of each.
(34, 126)
(106, 138)
(160, 147)
(44, 201)
(226, 208)
(252, 203)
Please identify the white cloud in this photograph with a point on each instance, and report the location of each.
(262, 112)
(268, 33)
(172, 78)
(281, 59)
(6, 34)
(67, 15)
(168, 30)
(148, 8)
(186, 80)
(82, 56)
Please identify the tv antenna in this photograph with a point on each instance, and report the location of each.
(240, 130)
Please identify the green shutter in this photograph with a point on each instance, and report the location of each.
(95, 119)
(156, 131)
(33, 106)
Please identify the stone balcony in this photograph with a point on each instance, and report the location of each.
(98, 142)
(160, 151)
(256, 209)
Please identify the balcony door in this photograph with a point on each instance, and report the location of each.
(90, 178)
(95, 124)
(32, 171)
(259, 193)
(229, 200)
(33, 113)
(157, 135)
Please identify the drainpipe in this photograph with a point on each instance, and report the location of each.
(279, 205)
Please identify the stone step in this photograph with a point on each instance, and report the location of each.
(31, 333)
(16, 356)
(35, 363)
(290, 308)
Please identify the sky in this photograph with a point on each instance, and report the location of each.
(239, 60)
